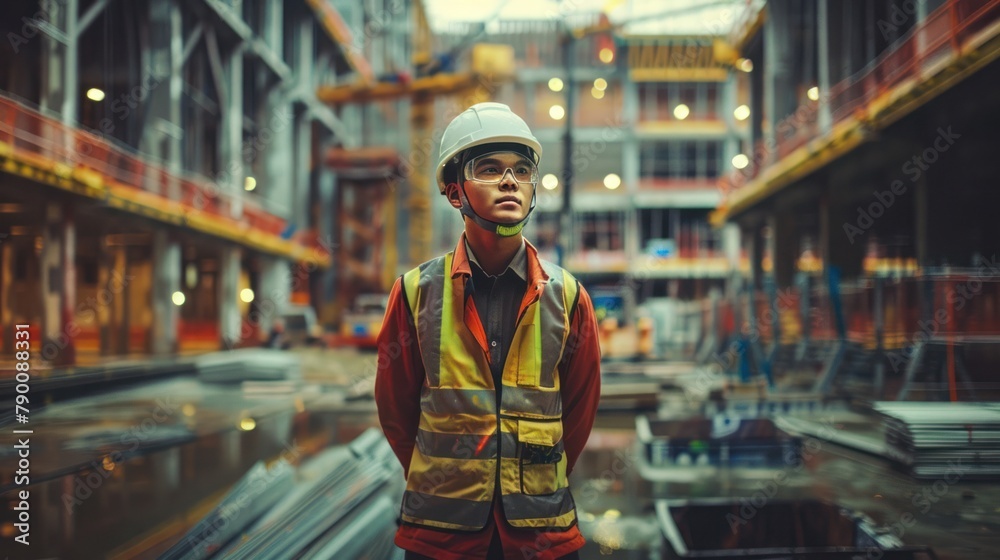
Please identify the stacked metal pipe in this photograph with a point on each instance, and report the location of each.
(341, 504)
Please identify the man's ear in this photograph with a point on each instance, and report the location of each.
(454, 194)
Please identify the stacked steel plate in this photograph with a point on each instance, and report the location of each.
(944, 439)
(250, 364)
(340, 504)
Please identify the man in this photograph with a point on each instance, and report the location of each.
(489, 365)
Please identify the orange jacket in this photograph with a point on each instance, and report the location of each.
(399, 378)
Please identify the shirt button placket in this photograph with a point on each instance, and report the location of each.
(495, 322)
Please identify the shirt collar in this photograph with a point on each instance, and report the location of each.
(519, 263)
(536, 273)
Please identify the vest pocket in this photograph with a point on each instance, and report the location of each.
(538, 458)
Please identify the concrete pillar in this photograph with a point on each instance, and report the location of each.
(774, 68)
(731, 143)
(630, 167)
(60, 81)
(325, 187)
(785, 246)
(112, 298)
(166, 281)
(280, 138)
(163, 138)
(229, 313)
(825, 118)
(273, 25)
(301, 171)
(275, 290)
(232, 132)
(58, 285)
(105, 270)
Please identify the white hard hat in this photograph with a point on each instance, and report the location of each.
(483, 123)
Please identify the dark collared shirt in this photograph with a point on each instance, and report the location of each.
(498, 300)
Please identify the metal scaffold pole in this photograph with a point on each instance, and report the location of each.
(422, 112)
(565, 216)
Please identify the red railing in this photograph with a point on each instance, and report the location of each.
(49, 141)
(944, 33)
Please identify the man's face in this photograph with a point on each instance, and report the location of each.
(499, 186)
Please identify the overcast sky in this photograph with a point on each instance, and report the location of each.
(644, 17)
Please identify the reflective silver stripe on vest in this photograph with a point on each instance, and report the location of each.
(552, 312)
(449, 400)
(463, 446)
(530, 399)
(448, 510)
(430, 301)
(524, 506)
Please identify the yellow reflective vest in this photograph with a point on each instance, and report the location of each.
(469, 440)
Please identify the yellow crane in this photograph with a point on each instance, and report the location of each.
(490, 65)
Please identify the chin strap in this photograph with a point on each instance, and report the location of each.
(499, 228)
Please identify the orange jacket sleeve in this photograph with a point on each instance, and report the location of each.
(399, 376)
(580, 379)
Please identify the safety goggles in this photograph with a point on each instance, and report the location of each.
(491, 168)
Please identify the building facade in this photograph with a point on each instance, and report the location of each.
(163, 184)
(656, 121)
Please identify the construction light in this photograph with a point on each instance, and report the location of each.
(681, 112)
(745, 64)
(247, 424)
(178, 298)
(741, 113)
(249, 183)
(557, 112)
(606, 55)
(597, 93)
(612, 181)
(601, 84)
(740, 161)
(555, 84)
(246, 295)
(813, 93)
(95, 94)
(550, 181)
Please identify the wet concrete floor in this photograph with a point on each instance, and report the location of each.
(87, 507)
